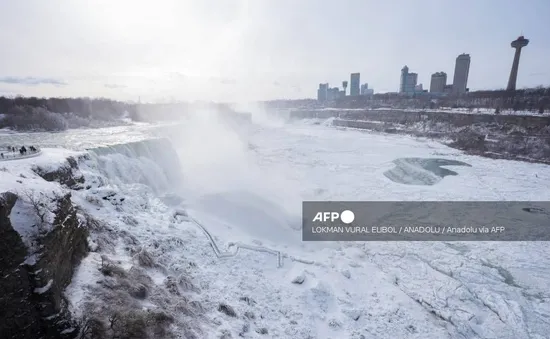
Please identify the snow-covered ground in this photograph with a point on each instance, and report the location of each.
(17, 176)
(482, 111)
(81, 138)
(237, 233)
(21, 168)
(446, 110)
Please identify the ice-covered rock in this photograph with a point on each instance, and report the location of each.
(299, 279)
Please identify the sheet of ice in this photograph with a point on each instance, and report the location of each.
(476, 300)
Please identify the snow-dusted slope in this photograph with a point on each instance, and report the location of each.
(232, 228)
(18, 176)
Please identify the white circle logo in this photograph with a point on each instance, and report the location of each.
(347, 217)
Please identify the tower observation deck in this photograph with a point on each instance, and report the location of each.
(518, 44)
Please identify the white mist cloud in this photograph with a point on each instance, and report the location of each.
(218, 160)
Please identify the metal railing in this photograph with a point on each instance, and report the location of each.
(6, 153)
(233, 248)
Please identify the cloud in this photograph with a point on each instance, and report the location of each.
(178, 76)
(32, 81)
(228, 81)
(223, 81)
(114, 86)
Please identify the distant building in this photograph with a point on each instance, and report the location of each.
(334, 93)
(365, 90)
(448, 89)
(418, 88)
(462, 68)
(322, 92)
(354, 84)
(330, 94)
(408, 81)
(404, 73)
(438, 82)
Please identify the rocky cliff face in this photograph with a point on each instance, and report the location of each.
(67, 175)
(32, 303)
(515, 137)
(19, 314)
(532, 123)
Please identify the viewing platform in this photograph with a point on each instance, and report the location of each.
(15, 153)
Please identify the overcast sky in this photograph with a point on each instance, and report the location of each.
(231, 50)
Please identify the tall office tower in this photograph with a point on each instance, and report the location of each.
(403, 81)
(410, 83)
(322, 92)
(462, 68)
(354, 84)
(333, 93)
(518, 44)
(438, 82)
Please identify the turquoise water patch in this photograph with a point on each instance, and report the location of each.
(421, 171)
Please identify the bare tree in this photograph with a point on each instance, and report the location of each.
(41, 204)
(91, 328)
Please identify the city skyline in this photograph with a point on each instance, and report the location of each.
(259, 50)
(409, 84)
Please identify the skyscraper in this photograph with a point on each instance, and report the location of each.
(408, 81)
(438, 82)
(334, 93)
(322, 92)
(403, 81)
(462, 68)
(354, 84)
(365, 90)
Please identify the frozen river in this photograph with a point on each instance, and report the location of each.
(246, 185)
